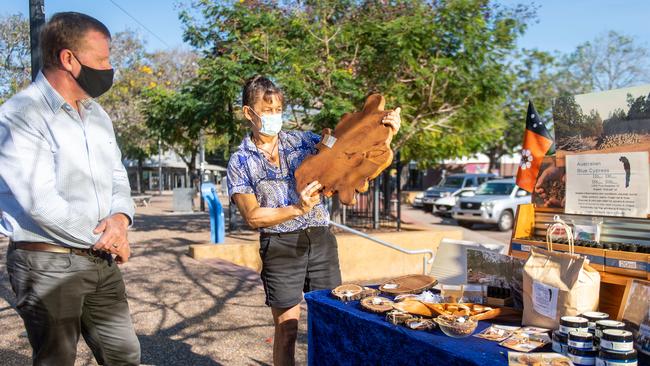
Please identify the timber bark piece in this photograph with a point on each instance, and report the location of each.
(360, 153)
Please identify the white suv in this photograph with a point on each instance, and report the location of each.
(495, 202)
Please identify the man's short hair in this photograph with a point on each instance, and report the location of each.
(66, 30)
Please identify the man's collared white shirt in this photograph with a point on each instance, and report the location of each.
(61, 171)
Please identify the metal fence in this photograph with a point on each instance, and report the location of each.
(377, 208)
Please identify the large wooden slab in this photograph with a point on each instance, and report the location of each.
(361, 152)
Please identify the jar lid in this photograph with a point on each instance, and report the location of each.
(574, 321)
(580, 336)
(617, 335)
(595, 315)
(583, 352)
(560, 337)
(611, 355)
(609, 324)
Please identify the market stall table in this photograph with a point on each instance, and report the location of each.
(342, 333)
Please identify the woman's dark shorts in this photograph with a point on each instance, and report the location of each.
(297, 262)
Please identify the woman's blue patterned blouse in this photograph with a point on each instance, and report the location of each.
(250, 172)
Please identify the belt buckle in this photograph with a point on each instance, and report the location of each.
(92, 252)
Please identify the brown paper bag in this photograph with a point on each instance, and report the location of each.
(558, 284)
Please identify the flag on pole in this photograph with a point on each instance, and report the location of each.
(537, 142)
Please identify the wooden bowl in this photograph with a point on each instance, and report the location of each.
(411, 284)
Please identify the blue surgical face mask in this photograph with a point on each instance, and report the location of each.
(271, 124)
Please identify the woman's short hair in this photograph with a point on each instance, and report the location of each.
(260, 87)
(66, 30)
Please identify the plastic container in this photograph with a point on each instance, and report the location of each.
(593, 317)
(617, 340)
(582, 357)
(560, 343)
(606, 324)
(581, 340)
(570, 324)
(608, 358)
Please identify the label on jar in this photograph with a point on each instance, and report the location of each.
(601, 362)
(616, 346)
(580, 360)
(559, 348)
(566, 330)
(545, 299)
(581, 345)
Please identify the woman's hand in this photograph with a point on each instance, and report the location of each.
(393, 120)
(326, 131)
(309, 197)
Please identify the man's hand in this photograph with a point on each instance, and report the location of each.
(393, 120)
(309, 197)
(114, 238)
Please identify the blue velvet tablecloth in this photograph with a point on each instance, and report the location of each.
(343, 334)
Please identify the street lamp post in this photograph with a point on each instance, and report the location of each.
(160, 178)
(201, 168)
(36, 22)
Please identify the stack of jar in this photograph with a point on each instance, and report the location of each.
(593, 339)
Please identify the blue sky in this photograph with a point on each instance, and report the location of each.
(562, 24)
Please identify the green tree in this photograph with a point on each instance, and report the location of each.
(532, 77)
(440, 61)
(15, 61)
(610, 61)
(568, 116)
(136, 73)
(172, 116)
(123, 101)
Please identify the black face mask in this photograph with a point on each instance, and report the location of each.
(93, 81)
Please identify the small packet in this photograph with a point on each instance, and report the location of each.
(497, 332)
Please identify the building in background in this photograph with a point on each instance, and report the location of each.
(175, 173)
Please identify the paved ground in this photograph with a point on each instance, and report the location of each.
(486, 234)
(188, 312)
(185, 312)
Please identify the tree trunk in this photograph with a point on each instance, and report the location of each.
(139, 175)
(493, 155)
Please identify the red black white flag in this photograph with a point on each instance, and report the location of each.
(537, 142)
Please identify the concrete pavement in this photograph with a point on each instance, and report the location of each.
(185, 312)
(480, 233)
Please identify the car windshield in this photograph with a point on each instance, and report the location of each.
(452, 182)
(495, 189)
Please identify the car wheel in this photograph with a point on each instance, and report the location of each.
(428, 208)
(465, 224)
(505, 221)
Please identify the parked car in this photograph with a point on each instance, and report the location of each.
(451, 184)
(442, 207)
(495, 202)
(417, 201)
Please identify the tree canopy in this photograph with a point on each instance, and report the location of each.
(441, 61)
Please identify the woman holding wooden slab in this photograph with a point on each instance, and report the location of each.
(298, 251)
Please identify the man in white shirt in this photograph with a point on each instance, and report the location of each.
(65, 201)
